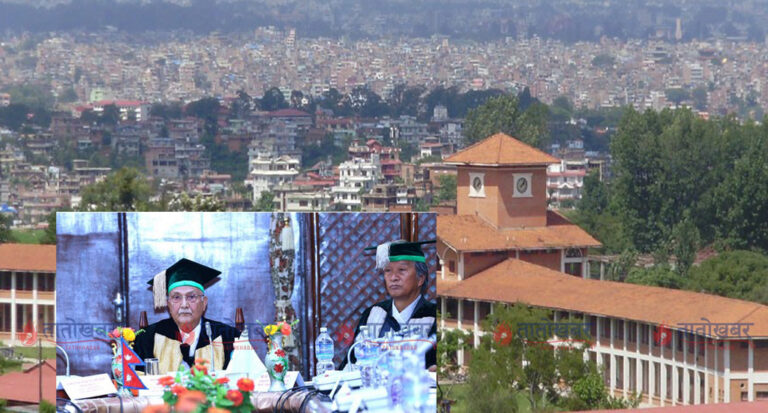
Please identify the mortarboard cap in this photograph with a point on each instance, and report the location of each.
(183, 272)
(399, 251)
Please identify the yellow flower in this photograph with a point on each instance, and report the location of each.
(128, 334)
(270, 329)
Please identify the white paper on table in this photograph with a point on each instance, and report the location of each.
(244, 361)
(89, 386)
(292, 378)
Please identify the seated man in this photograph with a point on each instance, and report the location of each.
(184, 336)
(406, 277)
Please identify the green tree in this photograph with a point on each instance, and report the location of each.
(405, 100)
(50, 233)
(5, 227)
(677, 95)
(273, 99)
(110, 116)
(265, 202)
(447, 189)
(68, 95)
(699, 96)
(736, 274)
(684, 244)
(123, 190)
(742, 198)
(658, 276)
(500, 381)
(603, 61)
(503, 114)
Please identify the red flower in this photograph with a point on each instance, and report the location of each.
(200, 368)
(503, 335)
(178, 389)
(285, 329)
(236, 397)
(222, 380)
(165, 381)
(245, 384)
(118, 373)
(280, 353)
(278, 368)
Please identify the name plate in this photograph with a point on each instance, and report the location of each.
(90, 386)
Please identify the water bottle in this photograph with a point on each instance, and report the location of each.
(324, 352)
(415, 389)
(366, 356)
(395, 388)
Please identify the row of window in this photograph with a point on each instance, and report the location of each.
(655, 336)
(25, 281)
(24, 315)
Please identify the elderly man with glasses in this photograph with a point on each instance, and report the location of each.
(185, 337)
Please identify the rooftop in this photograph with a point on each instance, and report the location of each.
(514, 281)
(469, 233)
(28, 257)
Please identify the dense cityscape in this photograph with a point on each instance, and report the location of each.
(605, 161)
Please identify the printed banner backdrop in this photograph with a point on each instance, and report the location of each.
(90, 256)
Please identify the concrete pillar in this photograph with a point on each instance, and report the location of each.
(460, 356)
(442, 312)
(727, 372)
(750, 370)
(34, 302)
(475, 328)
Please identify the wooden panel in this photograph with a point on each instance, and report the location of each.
(348, 280)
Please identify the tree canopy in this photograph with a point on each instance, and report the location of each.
(505, 114)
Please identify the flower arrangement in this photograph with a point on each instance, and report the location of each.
(276, 360)
(194, 390)
(282, 327)
(125, 332)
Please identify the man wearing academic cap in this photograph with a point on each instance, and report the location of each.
(184, 336)
(406, 277)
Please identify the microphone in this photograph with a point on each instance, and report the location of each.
(210, 344)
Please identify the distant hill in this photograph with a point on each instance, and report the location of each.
(565, 20)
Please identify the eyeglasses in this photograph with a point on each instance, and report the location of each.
(191, 298)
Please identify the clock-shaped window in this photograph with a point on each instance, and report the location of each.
(477, 185)
(522, 185)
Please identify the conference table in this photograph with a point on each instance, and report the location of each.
(289, 401)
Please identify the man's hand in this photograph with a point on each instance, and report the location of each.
(432, 368)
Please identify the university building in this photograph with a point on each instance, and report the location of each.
(27, 291)
(504, 246)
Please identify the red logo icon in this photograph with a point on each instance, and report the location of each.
(662, 335)
(28, 337)
(503, 335)
(345, 334)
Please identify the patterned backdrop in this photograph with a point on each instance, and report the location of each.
(349, 282)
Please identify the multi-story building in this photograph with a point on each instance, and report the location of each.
(504, 246)
(564, 184)
(267, 172)
(356, 177)
(27, 292)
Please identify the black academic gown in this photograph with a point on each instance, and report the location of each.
(379, 318)
(162, 340)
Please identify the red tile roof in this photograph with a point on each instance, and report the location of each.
(501, 149)
(28, 257)
(289, 113)
(470, 233)
(23, 386)
(514, 281)
(741, 407)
